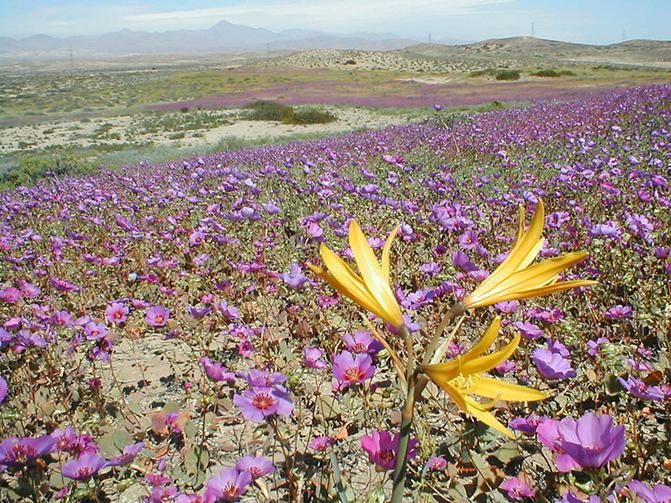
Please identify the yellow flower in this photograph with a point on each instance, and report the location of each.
(371, 290)
(462, 377)
(515, 279)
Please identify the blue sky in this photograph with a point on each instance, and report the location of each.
(590, 21)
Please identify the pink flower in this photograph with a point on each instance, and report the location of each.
(381, 448)
(157, 316)
(312, 358)
(349, 370)
(516, 488)
(320, 443)
(436, 463)
(116, 313)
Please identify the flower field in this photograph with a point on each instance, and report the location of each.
(236, 327)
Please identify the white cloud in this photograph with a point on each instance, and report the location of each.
(326, 14)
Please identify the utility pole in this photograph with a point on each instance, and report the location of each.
(533, 31)
(429, 38)
(624, 34)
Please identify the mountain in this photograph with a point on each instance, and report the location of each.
(223, 37)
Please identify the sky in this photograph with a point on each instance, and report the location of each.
(586, 21)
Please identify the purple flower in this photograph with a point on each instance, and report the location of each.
(348, 369)
(10, 295)
(552, 365)
(24, 451)
(319, 443)
(528, 330)
(84, 467)
(548, 435)
(116, 313)
(516, 488)
(257, 466)
(262, 379)
(569, 497)
(592, 441)
(436, 463)
(430, 269)
(658, 494)
(618, 312)
(640, 389)
(312, 358)
(257, 404)
(527, 424)
(231, 313)
(381, 448)
(229, 485)
(216, 371)
(593, 347)
(127, 455)
(3, 389)
(462, 262)
(295, 278)
(157, 316)
(361, 341)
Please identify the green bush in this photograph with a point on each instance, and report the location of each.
(268, 111)
(303, 117)
(508, 75)
(551, 73)
(272, 111)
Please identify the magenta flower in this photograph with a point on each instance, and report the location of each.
(569, 497)
(320, 443)
(24, 451)
(95, 331)
(127, 455)
(618, 312)
(361, 341)
(592, 441)
(640, 389)
(436, 463)
(262, 379)
(229, 485)
(257, 466)
(231, 313)
(312, 358)
(381, 448)
(527, 424)
(84, 467)
(658, 494)
(116, 313)
(3, 389)
(216, 371)
(516, 488)
(349, 370)
(257, 404)
(593, 347)
(548, 435)
(10, 295)
(157, 316)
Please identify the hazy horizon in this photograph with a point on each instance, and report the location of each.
(594, 22)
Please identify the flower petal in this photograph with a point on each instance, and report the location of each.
(373, 276)
(386, 251)
(476, 410)
(486, 340)
(485, 363)
(502, 390)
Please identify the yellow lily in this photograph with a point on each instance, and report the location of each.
(515, 279)
(462, 377)
(371, 290)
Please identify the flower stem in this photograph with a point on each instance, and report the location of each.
(406, 420)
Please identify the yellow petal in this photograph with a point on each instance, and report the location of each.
(453, 393)
(474, 409)
(487, 340)
(521, 218)
(344, 275)
(537, 274)
(551, 288)
(372, 275)
(386, 251)
(485, 363)
(522, 249)
(502, 390)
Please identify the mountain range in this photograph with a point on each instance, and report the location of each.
(223, 37)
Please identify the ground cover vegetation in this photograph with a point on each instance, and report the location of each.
(190, 331)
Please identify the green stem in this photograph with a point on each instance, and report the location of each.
(406, 421)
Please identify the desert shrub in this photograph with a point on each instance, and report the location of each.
(263, 110)
(272, 111)
(508, 75)
(309, 116)
(485, 72)
(552, 73)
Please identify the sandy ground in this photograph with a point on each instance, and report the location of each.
(118, 130)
